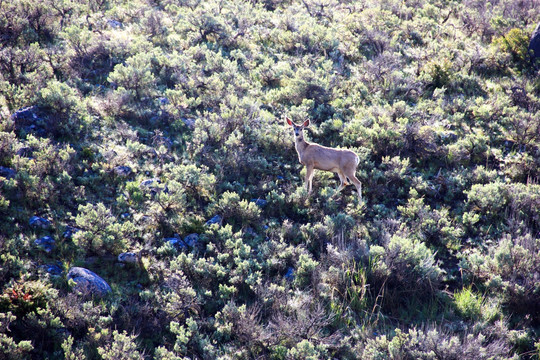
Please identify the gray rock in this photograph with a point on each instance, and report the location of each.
(128, 258)
(45, 243)
(215, 220)
(150, 183)
(190, 123)
(123, 171)
(191, 240)
(87, 282)
(152, 186)
(25, 152)
(115, 24)
(289, 276)
(31, 119)
(53, 270)
(174, 241)
(70, 231)
(534, 44)
(260, 202)
(7, 173)
(39, 222)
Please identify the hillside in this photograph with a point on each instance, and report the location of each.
(144, 142)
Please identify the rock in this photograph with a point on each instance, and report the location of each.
(87, 282)
(123, 171)
(26, 152)
(7, 173)
(128, 258)
(191, 240)
(290, 274)
(173, 241)
(115, 24)
(70, 231)
(31, 119)
(152, 186)
(260, 202)
(39, 222)
(534, 44)
(150, 183)
(215, 220)
(45, 243)
(190, 123)
(53, 270)
(63, 333)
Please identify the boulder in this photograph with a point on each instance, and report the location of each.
(115, 24)
(123, 171)
(191, 240)
(53, 270)
(289, 276)
(214, 220)
(174, 241)
(259, 202)
(534, 44)
(39, 223)
(31, 119)
(152, 186)
(7, 173)
(150, 183)
(128, 258)
(46, 243)
(190, 123)
(26, 152)
(87, 282)
(70, 231)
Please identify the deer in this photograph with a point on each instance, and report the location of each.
(315, 156)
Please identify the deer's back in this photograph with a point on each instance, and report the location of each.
(329, 159)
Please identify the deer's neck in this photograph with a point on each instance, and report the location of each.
(301, 144)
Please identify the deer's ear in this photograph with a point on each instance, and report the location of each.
(289, 121)
(306, 123)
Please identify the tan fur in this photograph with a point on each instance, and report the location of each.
(315, 156)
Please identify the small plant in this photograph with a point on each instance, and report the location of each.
(468, 304)
(516, 44)
(439, 72)
(122, 347)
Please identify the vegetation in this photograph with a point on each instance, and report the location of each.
(127, 125)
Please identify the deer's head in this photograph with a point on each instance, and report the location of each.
(298, 129)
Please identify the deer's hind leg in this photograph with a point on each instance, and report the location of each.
(350, 173)
(343, 181)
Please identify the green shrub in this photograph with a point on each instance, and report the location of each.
(238, 212)
(122, 347)
(403, 266)
(101, 233)
(468, 304)
(135, 78)
(420, 344)
(511, 258)
(514, 43)
(438, 72)
(9, 348)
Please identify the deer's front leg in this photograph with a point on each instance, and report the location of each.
(309, 178)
